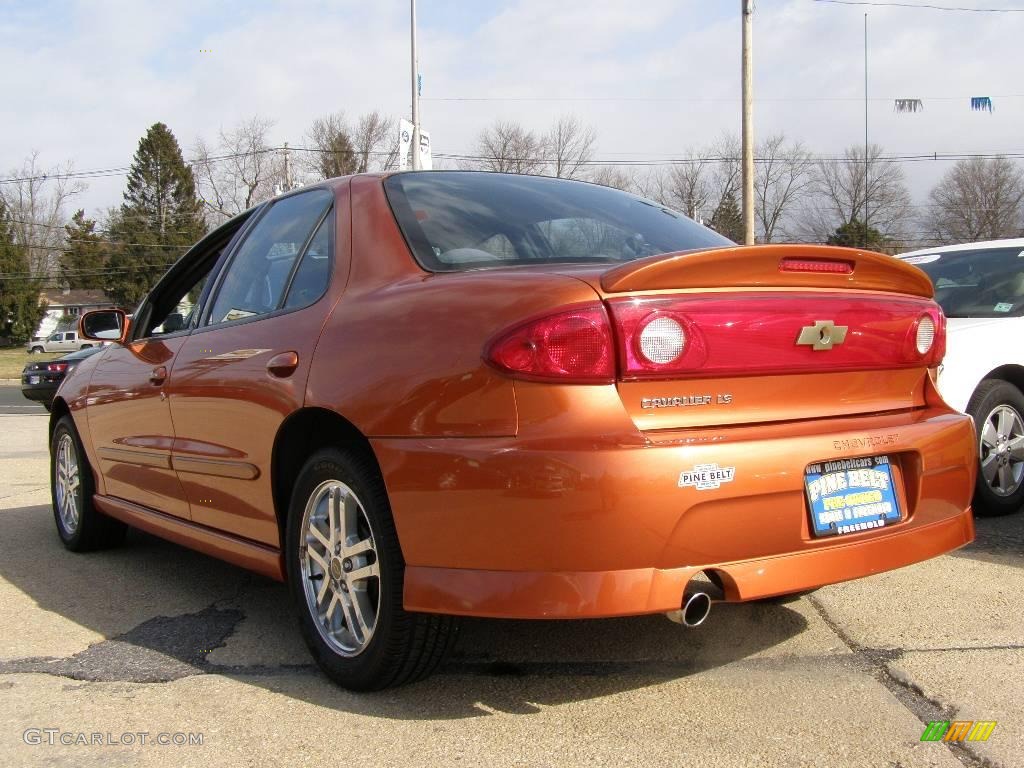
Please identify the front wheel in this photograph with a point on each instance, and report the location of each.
(997, 408)
(36, 351)
(80, 525)
(346, 571)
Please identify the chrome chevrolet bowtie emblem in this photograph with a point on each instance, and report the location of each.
(824, 334)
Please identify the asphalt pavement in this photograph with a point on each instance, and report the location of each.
(103, 655)
(13, 402)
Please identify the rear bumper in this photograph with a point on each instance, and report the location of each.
(509, 594)
(43, 393)
(554, 528)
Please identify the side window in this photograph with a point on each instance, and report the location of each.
(255, 279)
(314, 271)
(178, 307)
(56, 337)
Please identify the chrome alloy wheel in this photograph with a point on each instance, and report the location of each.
(340, 574)
(67, 483)
(1001, 449)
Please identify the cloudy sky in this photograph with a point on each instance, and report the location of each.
(83, 80)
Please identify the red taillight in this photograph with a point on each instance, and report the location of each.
(763, 334)
(56, 367)
(574, 345)
(816, 265)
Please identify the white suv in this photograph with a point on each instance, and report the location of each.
(981, 289)
(61, 341)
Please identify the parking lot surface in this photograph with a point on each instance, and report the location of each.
(154, 639)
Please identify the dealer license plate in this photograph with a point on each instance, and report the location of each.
(851, 495)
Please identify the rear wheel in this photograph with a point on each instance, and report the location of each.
(345, 572)
(998, 411)
(80, 525)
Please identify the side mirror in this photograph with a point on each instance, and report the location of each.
(104, 325)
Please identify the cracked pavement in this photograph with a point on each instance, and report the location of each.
(154, 638)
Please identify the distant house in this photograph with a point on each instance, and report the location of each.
(69, 302)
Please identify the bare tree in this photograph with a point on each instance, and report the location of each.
(782, 179)
(508, 147)
(337, 149)
(838, 195)
(726, 174)
(977, 199)
(239, 170)
(686, 186)
(570, 147)
(36, 202)
(332, 152)
(375, 140)
(612, 176)
(701, 181)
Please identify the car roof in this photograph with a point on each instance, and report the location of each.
(1014, 242)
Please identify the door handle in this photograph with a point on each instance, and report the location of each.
(158, 376)
(283, 364)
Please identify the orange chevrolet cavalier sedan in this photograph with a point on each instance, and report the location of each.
(427, 395)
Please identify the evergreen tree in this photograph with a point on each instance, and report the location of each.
(20, 310)
(159, 216)
(727, 219)
(854, 234)
(82, 263)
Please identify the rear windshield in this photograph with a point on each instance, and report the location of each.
(977, 283)
(458, 220)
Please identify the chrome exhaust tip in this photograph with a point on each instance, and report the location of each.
(694, 610)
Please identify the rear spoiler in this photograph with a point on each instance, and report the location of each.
(770, 266)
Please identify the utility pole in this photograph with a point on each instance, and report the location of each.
(415, 91)
(865, 242)
(287, 172)
(747, 8)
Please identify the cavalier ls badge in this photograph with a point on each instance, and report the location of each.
(824, 334)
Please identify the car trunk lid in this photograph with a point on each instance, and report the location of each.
(771, 333)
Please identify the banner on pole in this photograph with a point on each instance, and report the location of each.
(426, 158)
(404, 143)
(909, 105)
(981, 104)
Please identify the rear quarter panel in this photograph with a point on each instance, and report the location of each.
(402, 353)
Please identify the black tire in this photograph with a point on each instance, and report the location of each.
(991, 396)
(403, 647)
(36, 351)
(86, 346)
(93, 530)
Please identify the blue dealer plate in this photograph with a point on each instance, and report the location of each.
(851, 495)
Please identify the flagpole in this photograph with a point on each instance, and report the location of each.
(865, 130)
(747, 11)
(415, 90)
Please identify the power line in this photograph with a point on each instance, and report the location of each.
(125, 170)
(688, 99)
(934, 156)
(922, 6)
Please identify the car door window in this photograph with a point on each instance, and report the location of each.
(175, 305)
(56, 337)
(314, 270)
(254, 281)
